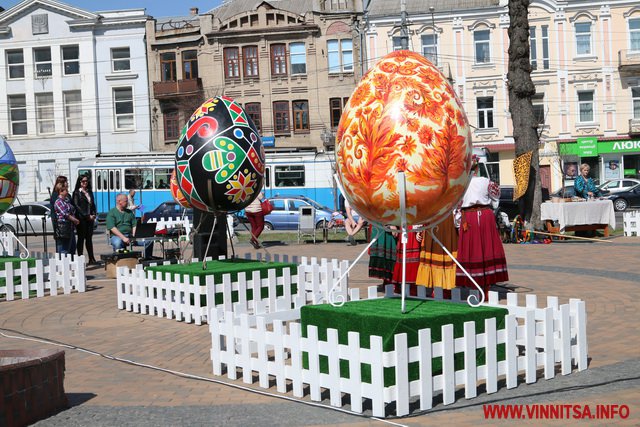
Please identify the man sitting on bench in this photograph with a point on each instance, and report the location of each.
(121, 223)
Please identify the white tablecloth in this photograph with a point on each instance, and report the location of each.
(579, 213)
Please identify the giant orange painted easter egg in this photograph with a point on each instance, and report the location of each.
(403, 116)
(176, 192)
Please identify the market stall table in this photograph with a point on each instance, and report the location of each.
(579, 216)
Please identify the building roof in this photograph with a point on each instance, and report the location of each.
(231, 8)
(383, 8)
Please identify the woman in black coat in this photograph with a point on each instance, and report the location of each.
(86, 212)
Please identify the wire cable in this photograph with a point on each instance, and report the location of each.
(37, 339)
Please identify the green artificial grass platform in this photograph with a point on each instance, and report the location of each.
(382, 317)
(218, 268)
(15, 263)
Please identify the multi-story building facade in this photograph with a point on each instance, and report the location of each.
(291, 64)
(586, 68)
(74, 85)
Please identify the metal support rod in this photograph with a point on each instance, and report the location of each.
(338, 301)
(479, 301)
(204, 257)
(403, 233)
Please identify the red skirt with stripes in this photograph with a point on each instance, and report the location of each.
(480, 250)
(413, 262)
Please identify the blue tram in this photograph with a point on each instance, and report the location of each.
(290, 172)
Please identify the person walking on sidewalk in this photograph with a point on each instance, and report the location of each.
(350, 224)
(256, 219)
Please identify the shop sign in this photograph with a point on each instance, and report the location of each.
(623, 146)
(268, 141)
(587, 147)
(603, 147)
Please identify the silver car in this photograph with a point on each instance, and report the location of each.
(618, 185)
(27, 218)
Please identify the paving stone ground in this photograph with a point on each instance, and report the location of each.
(105, 392)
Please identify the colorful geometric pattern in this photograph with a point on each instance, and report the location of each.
(177, 194)
(218, 142)
(241, 187)
(9, 176)
(403, 116)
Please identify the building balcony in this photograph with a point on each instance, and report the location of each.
(176, 88)
(634, 126)
(629, 61)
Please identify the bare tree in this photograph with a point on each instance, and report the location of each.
(521, 89)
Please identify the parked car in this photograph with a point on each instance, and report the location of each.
(286, 213)
(27, 218)
(618, 185)
(168, 210)
(626, 199)
(569, 192)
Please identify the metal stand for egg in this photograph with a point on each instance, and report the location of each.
(204, 258)
(338, 300)
(233, 251)
(24, 254)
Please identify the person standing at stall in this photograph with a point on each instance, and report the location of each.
(480, 249)
(86, 212)
(584, 186)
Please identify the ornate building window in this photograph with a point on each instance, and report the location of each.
(278, 60)
(231, 62)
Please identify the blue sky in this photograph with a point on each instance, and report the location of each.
(155, 8)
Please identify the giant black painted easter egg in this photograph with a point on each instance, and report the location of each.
(220, 158)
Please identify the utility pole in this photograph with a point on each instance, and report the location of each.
(404, 29)
(433, 35)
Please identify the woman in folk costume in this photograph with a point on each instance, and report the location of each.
(436, 268)
(480, 249)
(412, 263)
(382, 254)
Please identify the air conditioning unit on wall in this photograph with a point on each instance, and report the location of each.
(634, 126)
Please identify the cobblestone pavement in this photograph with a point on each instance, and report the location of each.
(105, 392)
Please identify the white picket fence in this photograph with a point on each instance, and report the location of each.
(272, 347)
(169, 223)
(53, 274)
(631, 222)
(185, 224)
(143, 292)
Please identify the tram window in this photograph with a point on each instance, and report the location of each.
(162, 176)
(117, 181)
(267, 177)
(99, 185)
(111, 180)
(289, 176)
(138, 178)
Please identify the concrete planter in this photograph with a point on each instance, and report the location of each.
(32, 385)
